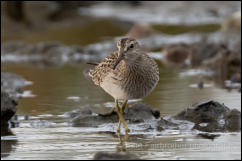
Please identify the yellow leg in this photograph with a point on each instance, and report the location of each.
(118, 112)
(121, 119)
(122, 111)
(124, 105)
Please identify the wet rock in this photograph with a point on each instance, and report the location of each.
(43, 53)
(212, 126)
(102, 115)
(13, 46)
(233, 120)
(203, 112)
(113, 156)
(204, 51)
(212, 116)
(163, 124)
(89, 116)
(236, 78)
(208, 136)
(7, 145)
(140, 112)
(102, 110)
(11, 89)
(164, 12)
(208, 116)
(177, 55)
(232, 23)
(200, 85)
(82, 111)
(226, 64)
(158, 41)
(140, 31)
(60, 54)
(46, 54)
(93, 121)
(13, 84)
(8, 107)
(221, 53)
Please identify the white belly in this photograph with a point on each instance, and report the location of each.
(113, 89)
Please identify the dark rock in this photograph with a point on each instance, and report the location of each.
(92, 121)
(13, 84)
(212, 126)
(47, 53)
(236, 78)
(232, 23)
(233, 120)
(226, 65)
(176, 55)
(102, 110)
(8, 107)
(60, 55)
(208, 136)
(221, 53)
(140, 31)
(163, 124)
(7, 146)
(171, 14)
(113, 156)
(102, 115)
(209, 116)
(212, 116)
(204, 51)
(14, 46)
(200, 84)
(203, 112)
(140, 112)
(81, 111)
(11, 89)
(92, 116)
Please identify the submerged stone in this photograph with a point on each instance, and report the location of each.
(113, 156)
(208, 136)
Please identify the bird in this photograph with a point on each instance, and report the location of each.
(128, 73)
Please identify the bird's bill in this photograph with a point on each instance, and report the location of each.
(120, 57)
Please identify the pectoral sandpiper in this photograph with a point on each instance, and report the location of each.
(128, 73)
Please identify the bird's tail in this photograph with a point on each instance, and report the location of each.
(92, 63)
(87, 72)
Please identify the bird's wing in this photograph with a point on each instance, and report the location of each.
(102, 69)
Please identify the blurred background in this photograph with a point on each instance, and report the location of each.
(45, 46)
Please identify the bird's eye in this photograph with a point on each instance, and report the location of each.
(132, 46)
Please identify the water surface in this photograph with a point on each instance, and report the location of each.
(47, 134)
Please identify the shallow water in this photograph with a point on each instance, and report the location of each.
(47, 134)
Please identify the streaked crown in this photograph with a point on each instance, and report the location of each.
(127, 44)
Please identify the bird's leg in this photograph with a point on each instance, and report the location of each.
(121, 119)
(118, 112)
(123, 106)
(122, 111)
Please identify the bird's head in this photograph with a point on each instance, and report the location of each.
(127, 50)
